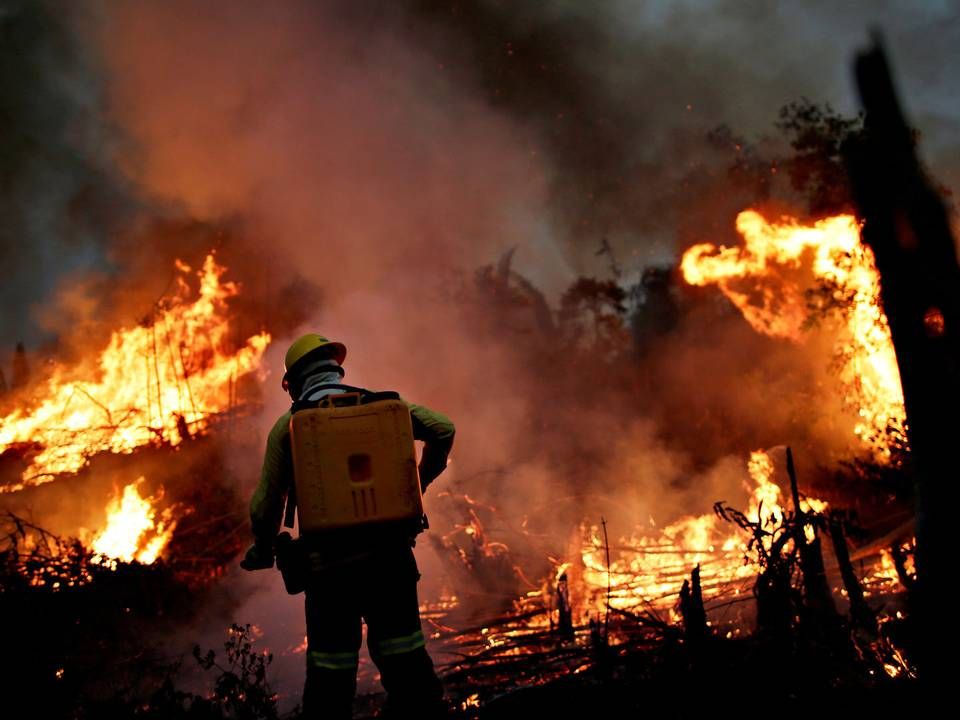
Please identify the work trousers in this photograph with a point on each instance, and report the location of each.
(379, 588)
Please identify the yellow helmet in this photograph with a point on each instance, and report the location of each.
(307, 345)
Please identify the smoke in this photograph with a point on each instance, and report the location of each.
(59, 196)
(622, 94)
(354, 166)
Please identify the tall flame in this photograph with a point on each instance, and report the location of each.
(768, 279)
(772, 280)
(133, 530)
(160, 380)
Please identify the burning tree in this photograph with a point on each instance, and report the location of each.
(763, 279)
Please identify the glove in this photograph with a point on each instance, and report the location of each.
(258, 557)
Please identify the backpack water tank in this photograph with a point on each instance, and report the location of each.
(354, 464)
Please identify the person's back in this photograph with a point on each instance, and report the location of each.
(353, 570)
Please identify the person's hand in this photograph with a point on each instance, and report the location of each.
(258, 557)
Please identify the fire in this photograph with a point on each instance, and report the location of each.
(133, 530)
(772, 279)
(886, 577)
(650, 569)
(160, 381)
(769, 279)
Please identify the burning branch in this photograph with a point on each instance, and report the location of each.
(63, 429)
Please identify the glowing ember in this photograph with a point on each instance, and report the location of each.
(768, 279)
(156, 382)
(885, 577)
(133, 531)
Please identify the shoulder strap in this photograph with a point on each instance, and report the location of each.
(290, 514)
(366, 396)
(372, 397)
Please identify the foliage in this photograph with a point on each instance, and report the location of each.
(773, 538)
(592, 315)
(90, 616)
(241, 690)
(817, 135)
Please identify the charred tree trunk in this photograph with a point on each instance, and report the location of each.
(906, 225)
(21, 368)
(818, 598)
(860, 613)
(692, 610)
(564, 610)
(774, 606)
(900, 563)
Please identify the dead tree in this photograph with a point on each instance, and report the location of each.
(860, 613)
(564, 609)
(907, 226)
(900, 563)
(775, 604)
(818, 598)
(692, 610)
(777, 601)
(21, 368)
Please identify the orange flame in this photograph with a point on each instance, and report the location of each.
(155, 382)
(767, 280)
(133, 531)
(650, 569)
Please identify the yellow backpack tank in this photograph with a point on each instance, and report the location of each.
(354, 464)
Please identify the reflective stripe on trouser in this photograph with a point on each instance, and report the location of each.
(333, 660)
(397, 645)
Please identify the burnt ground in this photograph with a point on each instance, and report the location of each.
(89, 651)
(726, 678)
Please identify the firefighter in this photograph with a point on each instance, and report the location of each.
(365, 573)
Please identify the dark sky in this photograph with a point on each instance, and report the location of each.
(612, 94)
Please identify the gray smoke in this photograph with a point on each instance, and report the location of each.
(61, 199)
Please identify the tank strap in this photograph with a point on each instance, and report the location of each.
(366, 396)
(290, 515)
